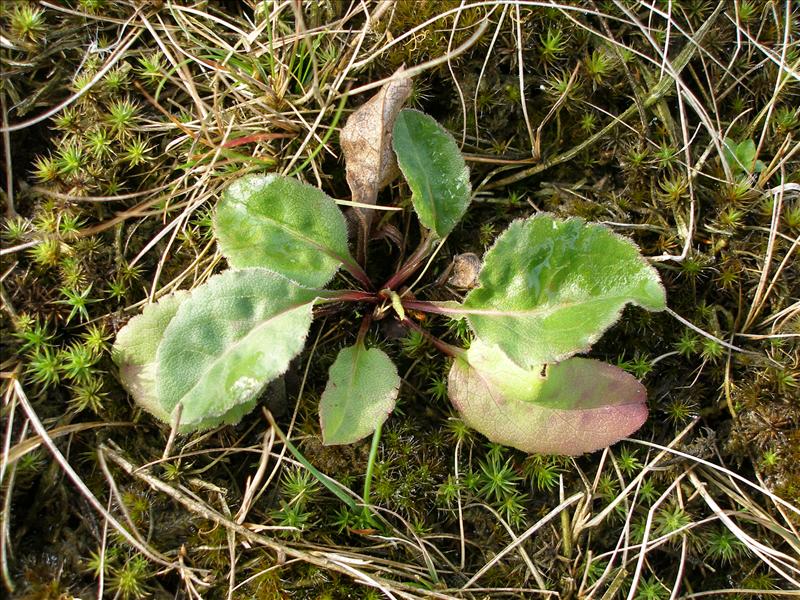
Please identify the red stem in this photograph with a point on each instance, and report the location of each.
(444, 347)
(356, 271)
(350, 296)
(362, 331)
(428, 307)
(412, 264)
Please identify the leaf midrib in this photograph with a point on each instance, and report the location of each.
(299, 235)
(535, 311)
(427, 185)
(350, 387)
(221, 357)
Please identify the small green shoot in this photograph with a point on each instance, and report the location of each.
(741, 157)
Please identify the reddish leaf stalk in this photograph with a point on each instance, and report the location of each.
(413, 263)
(428, 307)
(350, 296)
(362, 331)
(356, 271)
(449, 350)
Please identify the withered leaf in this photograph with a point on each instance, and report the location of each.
(366, 142)
(466, 268)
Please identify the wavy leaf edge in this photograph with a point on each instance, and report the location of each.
(482, 397)
(239, 205)
(459, 185)
(459, 310)
(230, 410)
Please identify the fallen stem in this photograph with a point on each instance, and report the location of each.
(84, 490)
(656, 94)
(325, 560)
(331, 128)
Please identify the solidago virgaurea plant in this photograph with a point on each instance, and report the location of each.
(547, 290)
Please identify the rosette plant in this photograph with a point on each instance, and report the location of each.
(547, 289)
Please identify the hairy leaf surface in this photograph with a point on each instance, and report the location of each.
(135, 348)
(549, 288)
(233, 335)
(361, 392)
(572, 407)
(434, 168)
(284, 225)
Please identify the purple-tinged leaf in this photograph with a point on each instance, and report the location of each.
(576, 406)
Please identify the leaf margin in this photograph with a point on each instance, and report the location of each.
(463, 373)
(239, 258)
(461, 310)
(460, 178)
(379, 410)
(237, 409)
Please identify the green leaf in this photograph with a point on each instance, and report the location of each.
(741, 157)
(283, 225)
(572, 407)
(134, 351)
(228, 340)
(361, 392)
(549, 288)
(434, 168)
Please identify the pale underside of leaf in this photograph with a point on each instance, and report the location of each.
(283, 225)
(135, 348)
(361, 392)
(549, 288)
(232, 337)
(435, 170)
(577, 406)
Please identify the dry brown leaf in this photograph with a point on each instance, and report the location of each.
(366, 142)
(466, 268)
